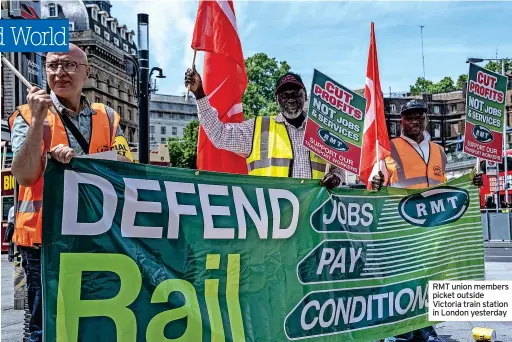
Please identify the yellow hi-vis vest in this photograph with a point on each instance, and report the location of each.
(272, 152)
(409, 170)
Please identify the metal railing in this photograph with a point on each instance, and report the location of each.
(497, 224)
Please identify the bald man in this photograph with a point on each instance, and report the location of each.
(61, 123)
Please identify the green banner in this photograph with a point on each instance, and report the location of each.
(334, 129)
(485, 114)
(143, 253)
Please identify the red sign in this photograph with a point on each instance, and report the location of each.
(491, 150)
(7, 184)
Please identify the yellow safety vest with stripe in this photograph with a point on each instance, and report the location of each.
(408, 168)
(272, 152)
(28, 227)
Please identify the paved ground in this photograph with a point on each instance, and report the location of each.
(12, 320)
(498, 266)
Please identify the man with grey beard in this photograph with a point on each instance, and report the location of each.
(272, 145)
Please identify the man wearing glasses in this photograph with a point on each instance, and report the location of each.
(64, 124)
(415, 163)
(272, 145)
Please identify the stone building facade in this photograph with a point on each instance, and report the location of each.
(29, 64)
(109, 46)
(169, 115)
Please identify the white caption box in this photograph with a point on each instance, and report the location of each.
(470, 301)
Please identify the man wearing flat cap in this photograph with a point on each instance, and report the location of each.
(272, 145)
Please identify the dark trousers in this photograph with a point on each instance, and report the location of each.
(420, 335)
(8, 238)
(31, 262)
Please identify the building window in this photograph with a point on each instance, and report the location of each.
(106, 35)
(130, 116)
(104, 20)
(163, 130)
(71, 26)
(133, 52)
(152, 129)
(94, 14)
(160, 115)
(97, 29)
(393, 108)
(152, 138)
(52, 10)
(122, 32)
(97, 99)
(163, 140)
(113, 27)
(125, 47)
(437, 130)
(182, 116)
(454, 108)
(116, 41)
(436, 109)
(120, 110)
(174, 131)
(454, 130)
(16, 7)
(109, 104)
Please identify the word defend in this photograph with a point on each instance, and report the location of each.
(35, 35)
(470, 301)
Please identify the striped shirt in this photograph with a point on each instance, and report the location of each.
(238, 138)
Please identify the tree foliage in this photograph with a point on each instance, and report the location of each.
(443, 86)
(262, 73)
(183, 151)
(496, 66)
(461, 81)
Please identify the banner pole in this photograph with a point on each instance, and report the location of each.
(193, 66)
(477, 165)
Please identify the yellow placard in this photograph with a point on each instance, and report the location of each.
(484, 335)
(121, 146)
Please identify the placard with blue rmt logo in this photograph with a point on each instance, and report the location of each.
(38, 35)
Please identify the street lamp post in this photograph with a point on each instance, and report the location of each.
(129, 69)
(143, 56)
(505, 180)
(160, 75)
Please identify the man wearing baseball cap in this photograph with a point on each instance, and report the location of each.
(272, 145)
(416, 162)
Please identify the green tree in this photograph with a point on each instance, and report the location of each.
(262, 74)
(444, 86)
(422, 85)
(496, 66)
(183, 151)
(463, 79)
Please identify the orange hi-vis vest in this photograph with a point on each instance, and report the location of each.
(409, 170)
(28, 226)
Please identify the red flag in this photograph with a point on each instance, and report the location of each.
(375, 121)
(224, 78)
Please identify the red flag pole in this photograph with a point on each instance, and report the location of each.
(375, 97)
(193, 66)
